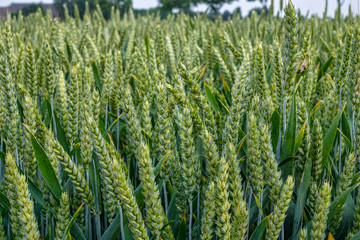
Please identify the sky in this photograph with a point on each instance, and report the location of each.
(313, 6)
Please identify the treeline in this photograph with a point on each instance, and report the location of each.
(165, 7)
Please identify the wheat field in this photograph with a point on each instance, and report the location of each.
(180, 128)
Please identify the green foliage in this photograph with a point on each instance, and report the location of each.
(215, 5)
(32, 8)
(80, 5)
(185, 5)
(182, 5)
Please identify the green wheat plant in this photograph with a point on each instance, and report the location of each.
(184, 127)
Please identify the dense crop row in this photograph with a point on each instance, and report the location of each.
(183, 128)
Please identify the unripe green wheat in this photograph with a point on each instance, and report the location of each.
(21, 201)
(277, 74)
(30, 72)
(126, 197)
(280, 209)
(238, 204)
(62, 216)
(321, 212)
(108, 79)
(12, 113)
(74, 105)
(156, 217)
(290, 49)
(30, 121)
(254, 157)
(316, 149)
(163, 129)
(207, 220)
(223, 215)
(344, 182)
(190, 165)
(70, 168)
(273, 175)
(107, 182)
(211, 154)
(11, 178)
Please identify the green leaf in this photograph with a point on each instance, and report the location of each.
(147, 45)
(356, 178)
(161, 163)
(200, 74)
(315, 108)
(287, 160)
(103, 131)
(167, 224)
(76, 232)
(211, 98)
(259, 230)
(338, 202)
(192, 25)
(323, 68)
(330, 137)
(122, 125)
(71, 222)
(258, 204)
(47, 237)
(269, 72)
(182, 229)
(172, 210)
(114, 229)
(94, 170)
(290, 133)
(44, 112)
(275, 129)
(223, 104)
(76, 149)
(241, 144)
(4, 201)
(254, 209)
(345, 127)
(205, 14)
(96, 75)
(47, 106)
(45, 166)
(59, 129)
(301, 197)
(196, 220)
(347, 218)
(347, 141)
(68, 50)
(299, 137)
(288, 147)
(242, 136)
(61, 137)
(227, 91)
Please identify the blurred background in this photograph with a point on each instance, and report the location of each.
(215, 7)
